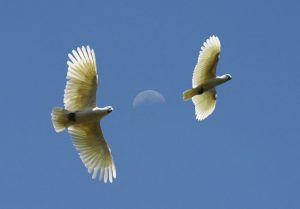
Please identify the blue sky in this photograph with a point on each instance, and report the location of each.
(244, 156)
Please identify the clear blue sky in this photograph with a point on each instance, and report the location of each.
(244, 156)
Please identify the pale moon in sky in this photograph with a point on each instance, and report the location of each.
(148, 97)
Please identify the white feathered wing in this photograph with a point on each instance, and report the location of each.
(93, 150)
(204, 70)
(80, 93)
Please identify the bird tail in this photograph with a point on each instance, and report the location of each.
(189, 94)
(59, 117)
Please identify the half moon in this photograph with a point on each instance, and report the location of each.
(148, 97)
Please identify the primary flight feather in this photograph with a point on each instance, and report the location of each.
(203, 92)
(81, 116)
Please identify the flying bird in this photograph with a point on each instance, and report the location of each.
(204, 82)
(81, 116)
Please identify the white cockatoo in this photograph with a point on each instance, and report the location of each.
(204, 80)
(81, 116)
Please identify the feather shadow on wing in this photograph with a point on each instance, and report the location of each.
(204, 81)
(81, 116)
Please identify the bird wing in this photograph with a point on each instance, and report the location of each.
(93, 150)
(80, 91)
(208, 58)
(205, 104)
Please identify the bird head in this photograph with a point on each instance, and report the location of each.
(228, 77)
(109, 109)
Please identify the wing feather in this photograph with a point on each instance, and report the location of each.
(205, 104)
(93, 150)
(205, 68)
(81, 87)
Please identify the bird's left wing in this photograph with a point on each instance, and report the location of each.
(205, 104)
(80, 91)
(205, 68)
(93, 150)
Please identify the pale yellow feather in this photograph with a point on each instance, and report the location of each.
(205, 68)
(204, 104)
(81, 87)
(93, 150)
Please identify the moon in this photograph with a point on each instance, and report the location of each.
(148, 97)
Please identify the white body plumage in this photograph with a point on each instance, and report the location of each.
(212, 83)
(90, 115)
(81, 116)
(204, 80)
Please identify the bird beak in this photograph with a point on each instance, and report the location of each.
(110, 110)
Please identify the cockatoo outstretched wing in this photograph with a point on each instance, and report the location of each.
(93, 150)
(205, 70)
(208, 58)
(80, 91)
(205, 104)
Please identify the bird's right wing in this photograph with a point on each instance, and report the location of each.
(93, 150)
(208, 58)
(80, 91)
(205, 104)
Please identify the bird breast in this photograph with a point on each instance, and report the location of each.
(212, 83)
(89, 115)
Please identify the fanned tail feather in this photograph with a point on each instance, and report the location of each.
(188, 94)
(59, 118)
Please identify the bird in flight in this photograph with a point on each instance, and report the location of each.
(81, 115)
(204, 82)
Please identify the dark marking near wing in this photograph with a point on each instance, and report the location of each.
(72, 117)
(215, 96)
(215, 63)
(201, 90)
